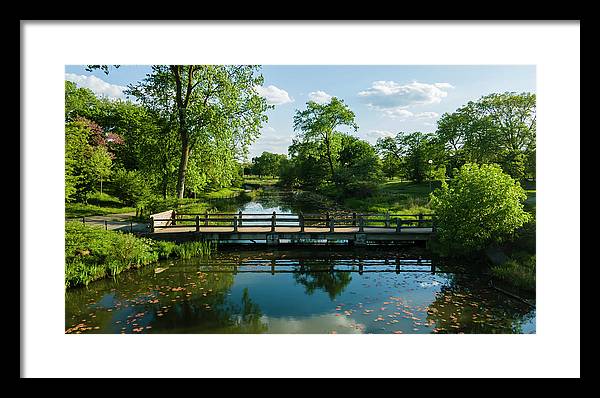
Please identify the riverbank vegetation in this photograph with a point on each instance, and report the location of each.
(93, 253)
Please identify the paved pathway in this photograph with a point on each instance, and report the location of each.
(117, 222)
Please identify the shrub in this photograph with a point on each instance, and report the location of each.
(131, 187)
(479, 206)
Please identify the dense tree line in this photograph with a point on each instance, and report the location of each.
(498, 128)
(185, 132)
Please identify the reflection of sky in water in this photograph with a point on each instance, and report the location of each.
(313, 302)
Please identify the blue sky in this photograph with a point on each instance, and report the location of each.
(386, 99)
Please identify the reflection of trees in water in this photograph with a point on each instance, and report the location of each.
(213, 315)
(316, 277)
(179, 300)
(467, 305)
(272, 199)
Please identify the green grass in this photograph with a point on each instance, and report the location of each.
(395, 196)
(257, 181)
(98, 205)
(93, 253)
(518, 272)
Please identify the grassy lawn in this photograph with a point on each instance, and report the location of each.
(395, 196)
(256, 181)
(98, 205)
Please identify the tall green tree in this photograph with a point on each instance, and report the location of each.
(497, 128)
(267, 164)
(216, 101)
(412, 152)
(212, 103)
(318, 122)
(98, 165)
(358, 161)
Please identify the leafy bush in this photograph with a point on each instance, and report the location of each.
(479, 206)
(131, 187)
(359, 189)
(93, 253)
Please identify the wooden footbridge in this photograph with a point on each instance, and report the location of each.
(275, 228)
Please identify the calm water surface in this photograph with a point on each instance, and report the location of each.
(310, 290)
(292, 291)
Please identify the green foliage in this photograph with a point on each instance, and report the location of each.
(518, 273)
(131, 187)
(513, 163)
(317, 124)
(188, 250)
(76, 145)
(498, 128)
(357, 162)
(93, 253)
(410, 153)
(479, 206)
(215, 110)
(267, 164)
(98, 165)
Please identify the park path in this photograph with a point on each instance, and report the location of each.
(118, 222)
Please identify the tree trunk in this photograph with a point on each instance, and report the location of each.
(327, 144)
(185, 154)
(164, 185)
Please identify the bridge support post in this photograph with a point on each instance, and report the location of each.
(387, 219)
(432, 268)
(240, 218)
(398, 224)
(360, 239)
(331, 225)
(272, 239)
(301, 221)
(235, 224)
(173, 218)
(397, 265)
(206, 218)
(197, 223)
(361, 224)
(152, 224)
(360, 267)
(420, 219)
(354, 219)
(273, 222)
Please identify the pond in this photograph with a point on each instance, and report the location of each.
(321, 289)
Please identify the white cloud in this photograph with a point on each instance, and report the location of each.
(320, 97)
(271, 141)
(273, 95)
(97, 85)
(393, 98)
(426, 115)
(396, 113)
(380, 134)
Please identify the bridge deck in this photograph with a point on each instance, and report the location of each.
(267, 230)
(354, 229)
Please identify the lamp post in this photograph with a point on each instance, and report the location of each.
(430, 163)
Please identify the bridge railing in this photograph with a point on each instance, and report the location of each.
(331, 221)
